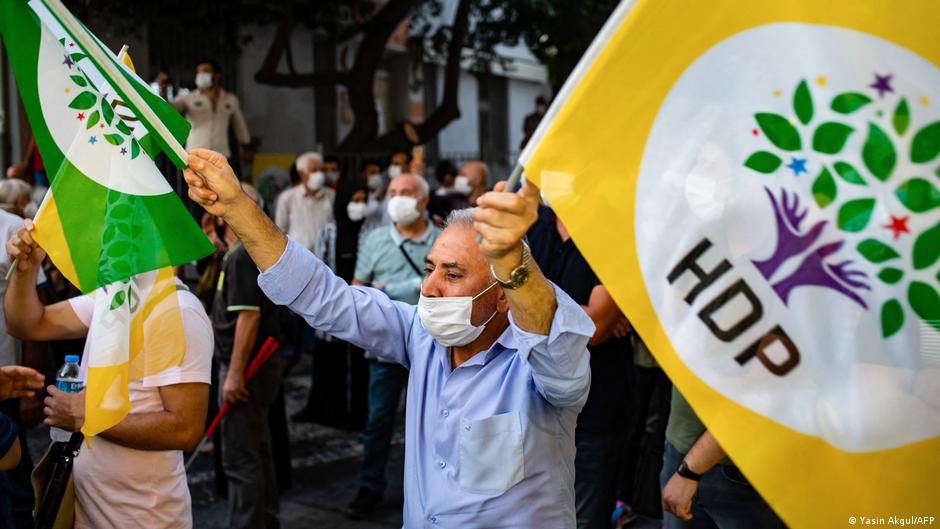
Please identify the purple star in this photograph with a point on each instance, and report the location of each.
(882, 84)
(123, 150)
(92, 140)
(68, 61)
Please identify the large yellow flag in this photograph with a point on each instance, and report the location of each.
(758, 185)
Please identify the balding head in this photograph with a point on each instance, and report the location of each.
(417, 185)
(477, 174)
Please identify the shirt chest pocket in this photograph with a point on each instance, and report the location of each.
(491, 456)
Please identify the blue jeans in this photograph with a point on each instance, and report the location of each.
(724, 499)
(386, 382)
(596, 466)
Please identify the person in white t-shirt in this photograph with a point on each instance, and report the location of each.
(132, 474)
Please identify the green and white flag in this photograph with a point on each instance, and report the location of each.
(110, 213)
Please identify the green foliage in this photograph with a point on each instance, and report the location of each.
(892, 318)
(876, 251)
(902, 117)
(926, 143)
(84, 101)
(878, 153)
(925, 302)
(849, 173)
(918, 195)
(891, 275)
(824, 188)
(763, 162)
(927, 248)
(803, 103)
(854, 215)
(830, 137)
(849, 102)
(779, 131)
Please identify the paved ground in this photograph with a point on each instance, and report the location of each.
(324, 461)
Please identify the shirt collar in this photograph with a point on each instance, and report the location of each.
(398, 239)
(505, 342)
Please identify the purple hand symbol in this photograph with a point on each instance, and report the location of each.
(790, 241)
(814, 270)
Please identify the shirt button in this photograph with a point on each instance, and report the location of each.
(441, 463)
(445, 413)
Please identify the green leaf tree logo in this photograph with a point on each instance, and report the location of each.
(848, 194)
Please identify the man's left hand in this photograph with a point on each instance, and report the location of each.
(65, 410)
(502, 219)
(677, 496)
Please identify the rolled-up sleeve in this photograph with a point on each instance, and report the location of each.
(362, 316)
(560, 362)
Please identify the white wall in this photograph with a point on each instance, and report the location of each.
(463, 134)
(282, 117)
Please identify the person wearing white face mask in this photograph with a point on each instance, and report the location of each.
(302, 211)
(490, 419)
(390, 259)
(211, 110)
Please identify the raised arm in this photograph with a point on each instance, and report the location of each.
(502, 219)
(293, 276)
(27, 318)
(555, 329)
(221, 195)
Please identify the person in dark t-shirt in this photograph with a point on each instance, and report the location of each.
(599, 436)
(242, 319)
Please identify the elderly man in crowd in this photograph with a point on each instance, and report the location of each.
(472, 180)
(497, 355)
(302, 211)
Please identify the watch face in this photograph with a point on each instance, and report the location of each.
(519, 276)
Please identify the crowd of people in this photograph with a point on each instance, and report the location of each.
(529, 400)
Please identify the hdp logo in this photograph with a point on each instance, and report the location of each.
(815, 151)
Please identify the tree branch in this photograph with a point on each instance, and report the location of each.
(449, 109)
(267, 73)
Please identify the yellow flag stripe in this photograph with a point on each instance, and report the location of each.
(48, 233)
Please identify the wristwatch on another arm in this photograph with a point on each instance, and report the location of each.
(686, 472)
(520, 274)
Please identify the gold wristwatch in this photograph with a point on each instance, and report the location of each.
(519, 274)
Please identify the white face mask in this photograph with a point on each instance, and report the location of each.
(393, 171)
(375, 181)
(448, 319)
(403, 210)
(203, 80)
(462, 185)
(315, 181)
(332, 176)
(356, 211)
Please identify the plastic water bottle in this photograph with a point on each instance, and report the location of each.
(67, 380)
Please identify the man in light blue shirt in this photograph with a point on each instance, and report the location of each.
(498, 375)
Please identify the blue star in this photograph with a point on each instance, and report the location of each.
(123, 150)
(68, 62)
(798, 166)
(92, 140)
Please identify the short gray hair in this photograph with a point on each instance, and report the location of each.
(13, 190)
(301, 163)
(462, 217)
(423, 189)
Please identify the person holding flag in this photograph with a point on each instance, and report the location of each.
(132, 473)
(497, 354)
